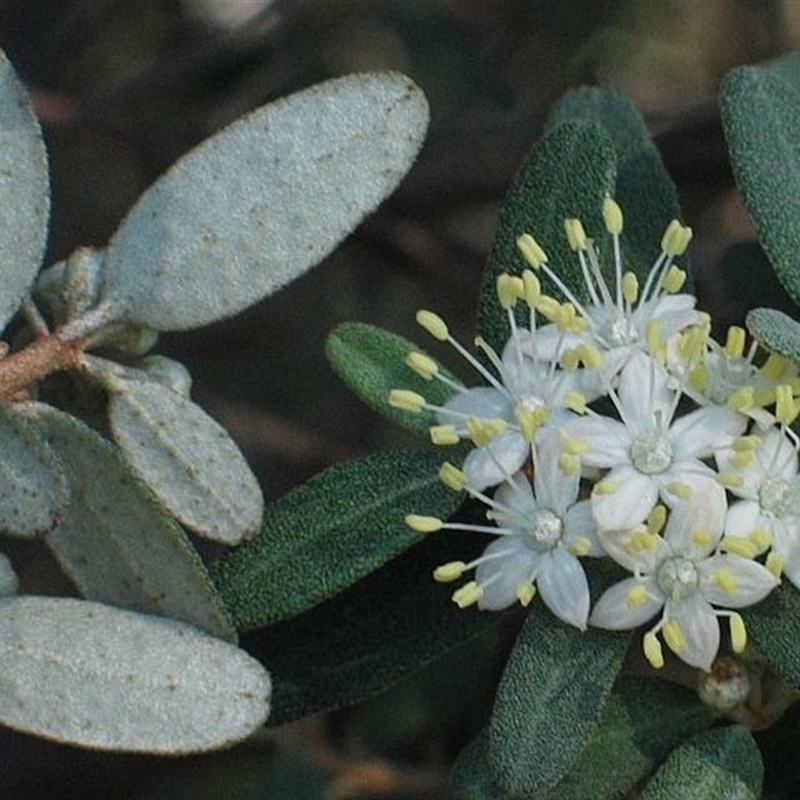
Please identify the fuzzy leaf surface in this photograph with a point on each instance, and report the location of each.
(262, 201)
(325, 535)
(550, 699)
(187, 459)
(114, 540)
(371, 361)
(776, 331)
(724, 762)
(24, 191)
(101, 677)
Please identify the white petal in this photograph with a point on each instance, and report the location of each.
(705, 511)
(493, 463)
(579, 524)
(700, 433)
(674, 312)
(554, 489)
(617, 544)
(642, 391)
(517, 495)
(501, 576)
(744, 517)
(629, 504)
(700, 627)
(613, 612)
(753, 581)
(775, 457)
(608, 440)
(483, 402)
(563, 586)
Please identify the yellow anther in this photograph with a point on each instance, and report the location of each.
(576, 235)
(669, 237)
(652, 650)
(407, 400)
(549, 308)
(735, 341)
(730, 480)
(580, 547)
(451, 571)
(467, 595)
(674, 636)
(509, 290)
(434, 324)
(590, 355)
(774, 367)
(701, 537)
(656, 519)
(605, 487)
(775, 564)
(630, 287)
(566, 318)
(676, 239)
(739, 546)
(764, 396)
(575, 447)
(738, 633)
(479, 431)
(423, 365)
(643, 540)
(569, 464)
(786, 409)
(742, 399)
(743, 459)
(652, 336)
(612, 216)
(637, 596)
(576, 402)
(422, 524)
(531, 420)
(698, 378)
(525, 593)
(570, 359)
(761, 538)
(674, 279)
(725, 580)
(531, 250)
(532, 287)
(444, 435)
(452, 477)
(746, 443)
(683, 491)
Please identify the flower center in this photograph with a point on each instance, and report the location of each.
(544, 530)
(651, 453)
(677, 577)
(620, 330)
(775, 495)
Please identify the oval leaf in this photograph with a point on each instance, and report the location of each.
(33, 487)
(549, 700)
(263, 201)
(324, 536)
(724, 762)
(776, 331)
(24, 191)
(187, 459)
(101, 677)
(114, 540)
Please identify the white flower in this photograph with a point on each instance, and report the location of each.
(769, 485)
(541, 532)
(685, 576)
(647, 453)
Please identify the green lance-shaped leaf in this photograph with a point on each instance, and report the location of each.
(643, 187)
(385, 626)
(567, 174)
(101, 677)
(472, 777)
(724, 762)
(371, 361)
(24, 192)
(324, 536)
(33, 487)
(115, 541)
(777, 331)
(549, 701)
(187, 459)
(761, 117)
(262, 201)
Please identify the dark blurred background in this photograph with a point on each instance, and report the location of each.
(124, 88)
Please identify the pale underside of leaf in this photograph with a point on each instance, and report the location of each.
(24, 192)
(188, 460)
(263, 201)
(114, 540)
(101, 677)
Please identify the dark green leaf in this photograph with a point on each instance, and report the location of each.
(567, 174)
(761, 117)
(550, 699)
(385, 626)
(777, 331)
(472, 774)
(724, 762)
(371, 361)
(324, 536)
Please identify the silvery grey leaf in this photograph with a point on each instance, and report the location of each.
(115, 541)
(101, 677)
(262, 201)
(9, 582)
(24, 192)
(33, 488)
(186, 458)
(168, 372)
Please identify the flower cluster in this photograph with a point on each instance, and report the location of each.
(613, 425)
